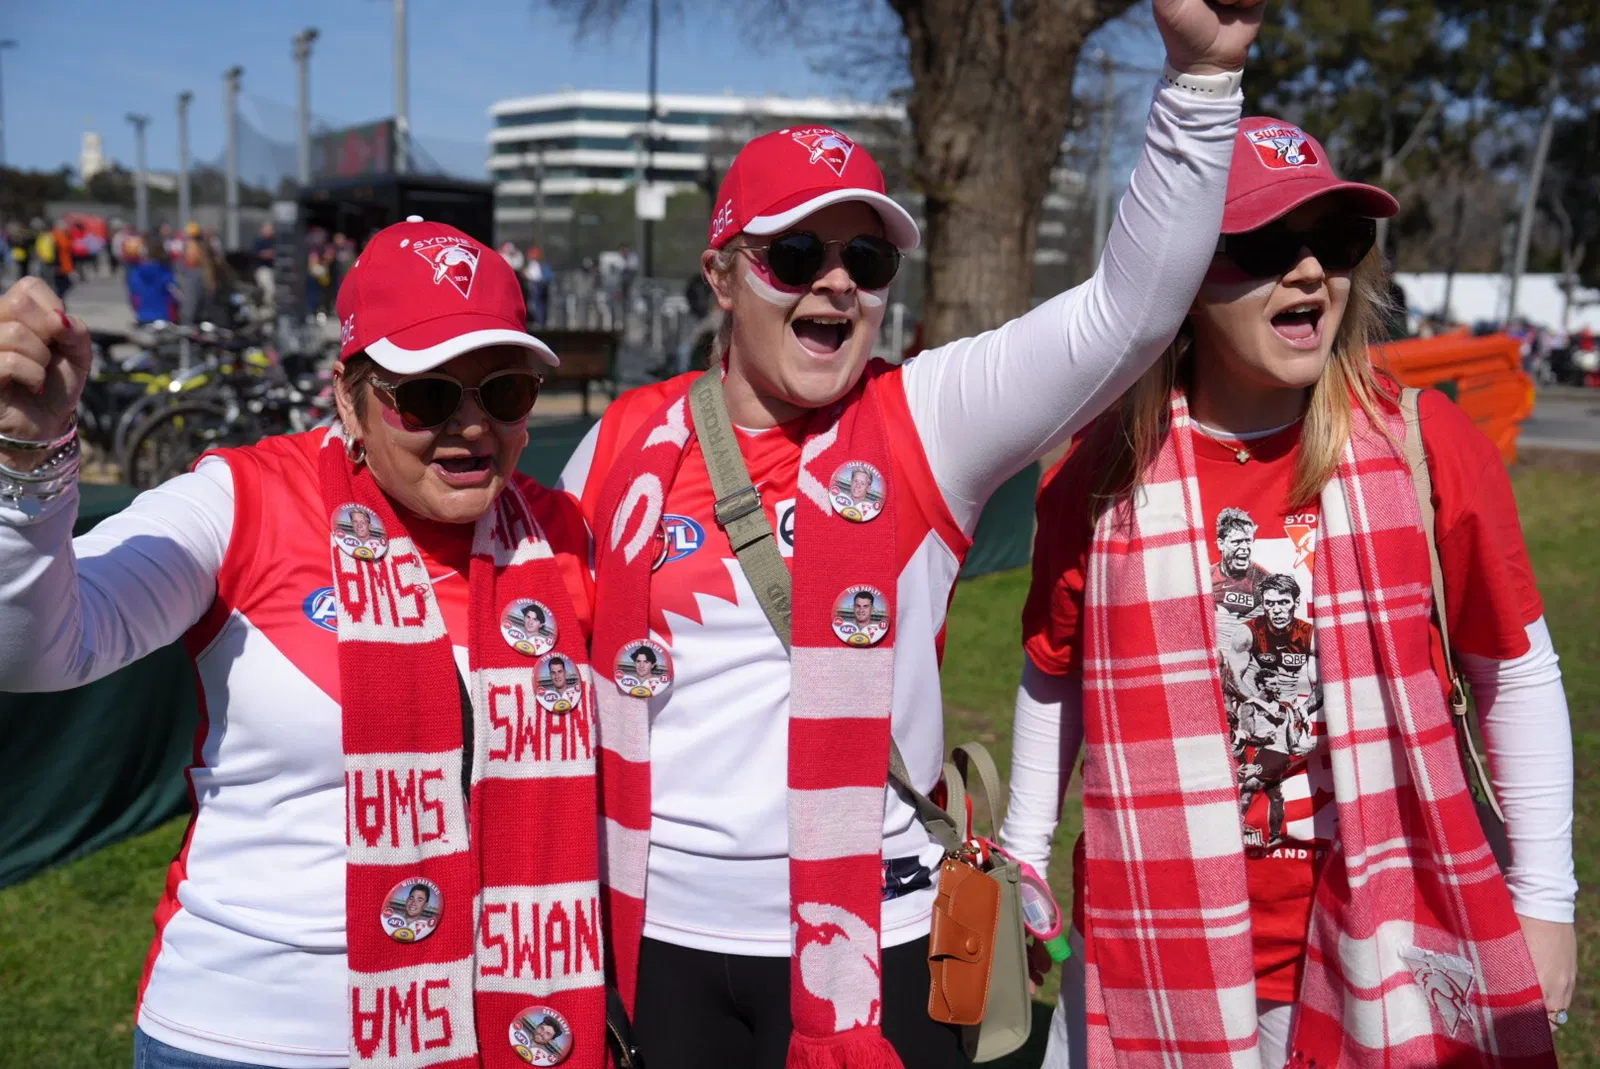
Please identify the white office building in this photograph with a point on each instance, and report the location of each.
(544, 150)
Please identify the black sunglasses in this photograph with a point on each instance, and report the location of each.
(796, 259)
(427, 401)
(1339, 244)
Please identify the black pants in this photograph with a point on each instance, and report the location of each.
(697, 1008)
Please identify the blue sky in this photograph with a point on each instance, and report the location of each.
(83, 64)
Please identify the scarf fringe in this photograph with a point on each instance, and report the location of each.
(859, 1048)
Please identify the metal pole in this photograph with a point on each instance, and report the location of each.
(1102, 181)
(141, 195)
(647, 246)
(302, 59)
(538, 193)
(230, 82)
(402, 105)
(183, 155)
(1530, 199)
(7, 43)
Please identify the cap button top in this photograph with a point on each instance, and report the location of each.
(413, 218)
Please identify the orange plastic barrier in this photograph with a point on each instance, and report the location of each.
(1484, 374)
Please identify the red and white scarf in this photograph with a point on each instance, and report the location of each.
(1414, 956)
(839, 706)
(517, 863)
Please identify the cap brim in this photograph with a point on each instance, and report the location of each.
(1255, 210)
(438, 341)
(898, 226)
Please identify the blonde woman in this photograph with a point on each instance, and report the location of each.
(1231, 607)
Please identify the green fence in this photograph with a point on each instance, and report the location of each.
(91, 766)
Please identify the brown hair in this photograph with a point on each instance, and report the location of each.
(358, 373)
(722, 264)
(1132, 432)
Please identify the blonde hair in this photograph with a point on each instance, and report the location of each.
(1132, 432)
(722, 264)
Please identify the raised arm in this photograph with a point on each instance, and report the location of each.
(74, 612)
(989, 405)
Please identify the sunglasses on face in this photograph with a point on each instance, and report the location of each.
(797, 259)
(1339, 244)
(427, 402)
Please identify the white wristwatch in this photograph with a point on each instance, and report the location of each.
(1217, 86)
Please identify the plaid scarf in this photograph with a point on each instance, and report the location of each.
(838, 735)
(1414, 956)
(503, 856)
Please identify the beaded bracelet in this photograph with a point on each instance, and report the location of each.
(30, 490)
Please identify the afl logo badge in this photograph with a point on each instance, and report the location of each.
(861, 616)
(529, 627)
(680, 536)
(643, 669)
(857, 491)
(412, 910)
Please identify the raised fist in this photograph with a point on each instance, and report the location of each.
(45, 357)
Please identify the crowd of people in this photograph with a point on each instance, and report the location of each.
(639, 763)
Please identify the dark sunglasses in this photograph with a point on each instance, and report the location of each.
(1339, 244)
(796, 259)
(427, 401)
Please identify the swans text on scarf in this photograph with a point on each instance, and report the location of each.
(540, 939)
(413, 1017)
(526, 740)
(386, 600)
(404, 806)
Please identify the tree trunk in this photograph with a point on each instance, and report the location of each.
(991, 95)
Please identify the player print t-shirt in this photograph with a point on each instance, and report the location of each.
(1262, 555)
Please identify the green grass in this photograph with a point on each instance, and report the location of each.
(72, 941)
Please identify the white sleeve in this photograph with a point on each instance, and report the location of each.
(986, 407)
(1528, 736)
(76, 610)
(576, 472)
(1046, 736)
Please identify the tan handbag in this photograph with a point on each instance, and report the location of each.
(1489, 813)
(984, 989)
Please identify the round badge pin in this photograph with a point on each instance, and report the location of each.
(541, 1036)
(643, 669)
(857, 491)
(412, 910)
(359, 532)
(529, 627)
(559, 689)
(861, 616)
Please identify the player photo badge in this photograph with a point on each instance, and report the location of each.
(529, 627)
(358, 531)
(541, 1036)
(857, 491)
(412, 910)
(643, 669)
(559, 689)
(861, 616)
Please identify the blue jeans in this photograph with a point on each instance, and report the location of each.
(153, 1054)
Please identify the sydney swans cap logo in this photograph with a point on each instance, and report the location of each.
(826, 146)
(453, 260)
(1283, 147)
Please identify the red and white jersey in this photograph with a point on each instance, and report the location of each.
(248, 963)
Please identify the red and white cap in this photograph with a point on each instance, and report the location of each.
(780, 178)
(1277, 167)
(422, 293)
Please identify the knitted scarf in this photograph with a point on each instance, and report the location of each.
(501, 856)
(1414, 956)
(839, 709)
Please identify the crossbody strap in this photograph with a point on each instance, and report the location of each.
(1422, 482)
(740, 515)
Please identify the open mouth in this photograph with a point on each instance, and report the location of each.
(822, 336)
(464, 470)
(1300, 326)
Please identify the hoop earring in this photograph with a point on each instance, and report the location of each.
(356, 451)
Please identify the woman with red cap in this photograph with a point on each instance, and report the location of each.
(749, 825)
(1230, 613)
(370, 736)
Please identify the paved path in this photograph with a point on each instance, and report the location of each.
(1564, 420)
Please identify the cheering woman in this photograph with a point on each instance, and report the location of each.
(385, 814)
(1231, 607)
(748, 826)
